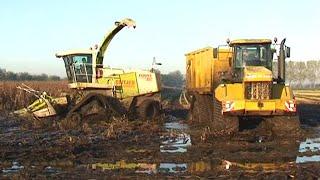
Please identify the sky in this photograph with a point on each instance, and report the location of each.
(32, 31)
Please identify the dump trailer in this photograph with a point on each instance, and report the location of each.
(104, 90)
(233, 82)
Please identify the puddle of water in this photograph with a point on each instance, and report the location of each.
(305, 159)
(12, 129)
(15, 168)
(149, 168)
(311, 144)
(172, 168)
(177, 143)
(138, 167)
(177, 140)
(51, 170)
(176, 125)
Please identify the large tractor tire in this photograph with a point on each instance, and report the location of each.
(223, 124)
(149, 109)
(284, 126)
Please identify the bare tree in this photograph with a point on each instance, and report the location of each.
(300, 72)
(311, 72)
(291, 77)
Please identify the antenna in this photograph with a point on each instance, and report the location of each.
(155, 63)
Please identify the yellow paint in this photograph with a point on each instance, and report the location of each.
(226, 92)
(257, 73)
(250, 41)
(202, 70)
(235, 93)
(123, 165)
(252, 105)
(129, 85)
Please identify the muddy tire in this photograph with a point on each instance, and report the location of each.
(93, 107)
(73, 121)
(222, 124)
(284, 126)
(149, 109)
(201, 108)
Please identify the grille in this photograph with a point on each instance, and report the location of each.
(258, 90)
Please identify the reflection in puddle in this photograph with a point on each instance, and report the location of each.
(304, 159)
(15, 168)
(150, 168)
(176, 125)
(12, 129)
(176, 141)
(310, 144)
(51, 170)
(138, 167)
(172, 168)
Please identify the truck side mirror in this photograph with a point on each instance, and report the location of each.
(288, 51)
(215, 53)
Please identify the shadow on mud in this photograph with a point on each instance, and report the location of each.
(249, 123)
(309, 114)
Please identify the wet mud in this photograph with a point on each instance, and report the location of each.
(169, 147)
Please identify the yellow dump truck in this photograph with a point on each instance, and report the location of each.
(236, 81)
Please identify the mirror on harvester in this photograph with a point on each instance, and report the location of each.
(288, 51)
(215, 52)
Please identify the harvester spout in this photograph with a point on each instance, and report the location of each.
(109, 36)
(281, 62)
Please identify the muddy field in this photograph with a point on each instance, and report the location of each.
(168, 147)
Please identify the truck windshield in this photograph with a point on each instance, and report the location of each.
(253, 55)
(78, 67)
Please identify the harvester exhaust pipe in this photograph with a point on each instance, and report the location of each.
(281, 62)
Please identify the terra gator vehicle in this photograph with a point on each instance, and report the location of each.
(228, 83)
(98, 89)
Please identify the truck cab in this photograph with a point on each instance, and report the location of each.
(251, 55)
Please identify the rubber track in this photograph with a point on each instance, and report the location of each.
(107, 102)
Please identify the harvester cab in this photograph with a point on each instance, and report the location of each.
(85, 67)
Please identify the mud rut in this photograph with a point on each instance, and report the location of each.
(158, 149)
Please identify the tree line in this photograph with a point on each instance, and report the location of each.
(301, 74)
(24, 76)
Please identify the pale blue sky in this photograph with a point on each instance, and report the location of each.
(32, 31)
